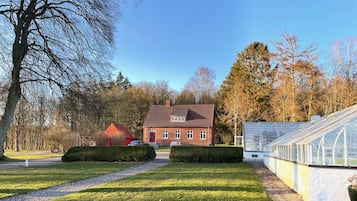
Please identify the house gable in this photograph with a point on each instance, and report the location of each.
(199, 115)
(187, 124)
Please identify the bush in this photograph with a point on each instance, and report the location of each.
(206, 154)
(110, 153)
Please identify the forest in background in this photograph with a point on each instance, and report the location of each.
(286, 83)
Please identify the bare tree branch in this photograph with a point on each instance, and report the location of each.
(56, 42)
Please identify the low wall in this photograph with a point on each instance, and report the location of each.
(312, 183)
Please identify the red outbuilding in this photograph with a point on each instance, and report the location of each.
(118, 135)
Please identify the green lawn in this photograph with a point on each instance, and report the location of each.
(163, 149)
(341, 161)
(22, 180)
(29, 155)
(236, 181)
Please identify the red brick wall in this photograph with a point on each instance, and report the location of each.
(196, 140)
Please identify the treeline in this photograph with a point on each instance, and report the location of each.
(48, 121)
(286, 84)
(289, 83)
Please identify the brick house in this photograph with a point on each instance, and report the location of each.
(183, 124)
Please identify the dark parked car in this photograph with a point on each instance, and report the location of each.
(135, 143)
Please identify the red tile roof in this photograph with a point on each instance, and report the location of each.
(115, 128)
(198, 115)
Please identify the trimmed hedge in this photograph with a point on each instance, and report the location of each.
(188, 154)
(110, 153)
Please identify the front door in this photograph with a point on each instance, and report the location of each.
(151, 136)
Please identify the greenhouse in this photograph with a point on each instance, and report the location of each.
(258, 134)
(331, 141)
(317, 158)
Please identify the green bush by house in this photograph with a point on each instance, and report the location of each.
(189, 154)
(110, 153)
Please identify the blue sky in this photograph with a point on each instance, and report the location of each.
(170, 39)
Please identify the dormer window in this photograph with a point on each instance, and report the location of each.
(178, 118)
(178, 114)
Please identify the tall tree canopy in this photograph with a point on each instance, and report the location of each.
(245, 93)
(52, 42)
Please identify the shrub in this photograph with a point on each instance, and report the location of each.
(110, 153)
(189, 154)
(60, 139)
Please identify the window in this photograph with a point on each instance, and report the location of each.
(190, 134)
(178, 118)
(177, 134)
(165, 134)
(203, 135)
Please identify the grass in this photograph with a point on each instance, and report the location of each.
(341, 161)
(29, 155)
(163, 149)
(23, 180)
(236, 181)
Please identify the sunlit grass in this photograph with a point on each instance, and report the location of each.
(163, 149)
(22, 180)
(29, 155)
(173, 182)
(341, 161)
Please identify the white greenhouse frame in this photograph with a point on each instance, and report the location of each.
(329, 141)
(258, 134)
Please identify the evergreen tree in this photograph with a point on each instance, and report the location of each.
(245, 93)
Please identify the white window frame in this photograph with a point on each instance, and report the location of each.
(177, 118)
(177, 134)
(165, 134)
(190, 134)
(203, 134)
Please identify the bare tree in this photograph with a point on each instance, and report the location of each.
(238, 106)
(341, 88)
(202, 85)
(288, 54)
(52, 41)
(344, 59)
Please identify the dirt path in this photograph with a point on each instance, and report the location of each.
(274, 187)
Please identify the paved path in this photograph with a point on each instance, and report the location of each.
(31, 163)
(61, 190)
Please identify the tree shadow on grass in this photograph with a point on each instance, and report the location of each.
(13, 192)
(174, 188)
(209, 193)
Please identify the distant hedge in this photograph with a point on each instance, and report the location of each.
(110, 153)
(188, 154)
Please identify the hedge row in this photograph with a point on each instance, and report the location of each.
(110, 153)
(189, 154)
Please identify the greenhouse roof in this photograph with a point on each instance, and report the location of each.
(276, 128)
(313, 130)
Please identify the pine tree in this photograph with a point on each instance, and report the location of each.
(245, 93)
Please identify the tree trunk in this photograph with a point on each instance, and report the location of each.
(19, 50)
(12, 100)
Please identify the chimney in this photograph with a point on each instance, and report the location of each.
(167, 103)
